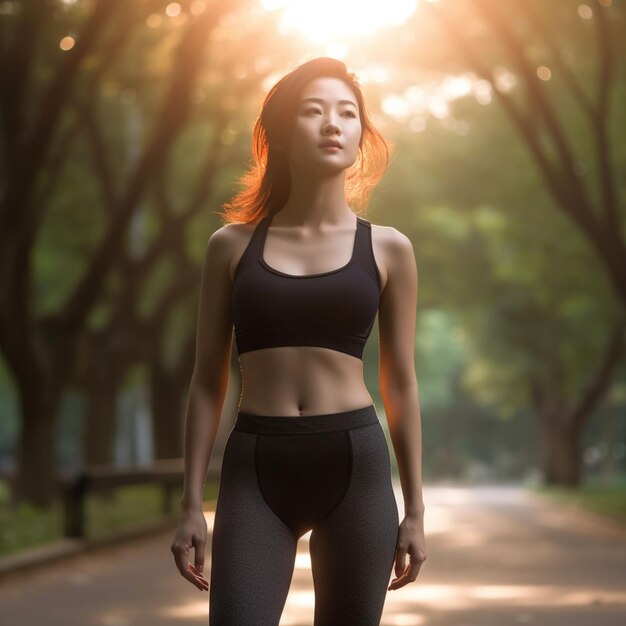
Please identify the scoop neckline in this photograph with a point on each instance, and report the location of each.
(319, 274)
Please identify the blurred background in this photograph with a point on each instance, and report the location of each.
(126, 125)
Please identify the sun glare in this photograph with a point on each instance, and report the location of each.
(327, 21)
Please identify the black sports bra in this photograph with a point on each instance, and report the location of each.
(334, 309)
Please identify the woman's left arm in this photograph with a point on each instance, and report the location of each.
(399, 392)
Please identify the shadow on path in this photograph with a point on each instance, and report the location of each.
(497, 556)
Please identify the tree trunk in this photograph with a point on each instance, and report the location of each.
(166, 397)
(100, 416)
(36, 462)
(561, 453)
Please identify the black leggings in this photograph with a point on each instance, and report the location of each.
(282, 477)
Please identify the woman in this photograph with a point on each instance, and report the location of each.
(301, 278)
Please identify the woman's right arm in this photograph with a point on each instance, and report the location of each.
(207, 391)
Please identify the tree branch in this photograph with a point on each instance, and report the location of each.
(175, 108)
(32, 153)
(602, 116)
(603, 376)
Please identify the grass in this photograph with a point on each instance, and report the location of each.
(27, 526)
(608, 500)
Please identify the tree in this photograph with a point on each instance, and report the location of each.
(41, 351)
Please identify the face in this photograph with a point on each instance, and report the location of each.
(327, 109)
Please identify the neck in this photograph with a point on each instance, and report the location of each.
(318, 200)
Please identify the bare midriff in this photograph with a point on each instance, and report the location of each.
(300, 381)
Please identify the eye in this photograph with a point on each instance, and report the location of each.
(316, 110)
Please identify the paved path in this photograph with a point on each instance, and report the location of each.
(497, 556)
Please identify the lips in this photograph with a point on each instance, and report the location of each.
(330, 142)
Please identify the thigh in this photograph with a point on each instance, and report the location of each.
(353, 548)
(252, 550)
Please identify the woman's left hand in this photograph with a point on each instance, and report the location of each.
(410, 541)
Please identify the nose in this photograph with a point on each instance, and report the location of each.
(331, 127)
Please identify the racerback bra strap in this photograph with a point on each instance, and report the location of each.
(364, 252)
(253, 250)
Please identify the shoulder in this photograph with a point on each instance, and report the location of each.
(229, 242)
(390, 237)
(230, 236)
(393, 250)
(392, 245)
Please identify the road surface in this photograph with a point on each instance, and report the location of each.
(497, 556)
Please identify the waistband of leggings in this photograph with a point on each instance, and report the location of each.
(306, 424)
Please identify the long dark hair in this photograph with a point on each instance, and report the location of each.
(267, 182)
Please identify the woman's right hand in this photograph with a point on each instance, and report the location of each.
(191, 533)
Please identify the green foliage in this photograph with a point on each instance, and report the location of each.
(27, 526)
(593, 495)
(510, 287)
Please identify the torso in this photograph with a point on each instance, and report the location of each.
(302, 380)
